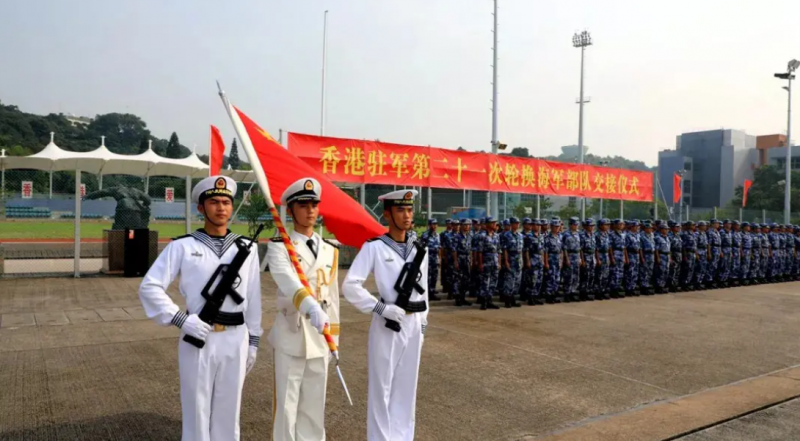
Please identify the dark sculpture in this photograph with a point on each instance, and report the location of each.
(133, 206)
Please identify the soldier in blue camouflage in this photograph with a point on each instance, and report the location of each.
(477, 237)
(662, 258)
(633, 247)
(701, 263)
(602, 243)
(553, 260)
(647, 242)
(726, 259)
(447, 252)
(796, 262)
(736, 253)
(431, 239)
(570, 272)
(715, 254)
(488, 264)
(462, 243)
(747, 254)
(525, 282)
(589, 258)
(766, 254)
(689, 239)
(534, 254)
(505, 227)
(676, 256)
(755, 262)
(788, 244)
(512, 255)
(618, 258)
(775, 245)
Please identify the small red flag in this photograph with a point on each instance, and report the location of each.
(747, 184)
(216, 152)
(343, 216)
(676, 188)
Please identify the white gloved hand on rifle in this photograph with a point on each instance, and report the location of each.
(191, 325)
(309, 306)
(252, 353)
(390, 312)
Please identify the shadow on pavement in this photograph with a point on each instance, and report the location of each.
(124, 427)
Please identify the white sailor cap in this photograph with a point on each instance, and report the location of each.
(400, 198)
(213, 186)
(306, 189)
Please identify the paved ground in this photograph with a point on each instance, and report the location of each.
(79, 362)
(777, 423)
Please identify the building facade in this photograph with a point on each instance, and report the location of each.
(714, 163)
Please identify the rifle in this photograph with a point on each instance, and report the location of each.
(225, 288)
(407, 282)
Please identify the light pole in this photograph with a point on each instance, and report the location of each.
(789, 76)
(604, 164)
(493, 200)
(581, 40)
(324, 66)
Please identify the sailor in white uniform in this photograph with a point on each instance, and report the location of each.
(301, 353)
(211, 378)
(393, 356)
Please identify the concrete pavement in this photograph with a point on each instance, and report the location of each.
(80, 362)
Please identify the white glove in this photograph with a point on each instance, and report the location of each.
(195, 327)
(392, 312)
(424, 326)
(319, 319)
(252, 352)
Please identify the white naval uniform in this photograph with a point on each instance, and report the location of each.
(301, 353)
(393, 356)
(212, 377)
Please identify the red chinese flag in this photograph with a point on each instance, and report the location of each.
(747, 184)
(343, 216)
(676, 188)
(216, 152)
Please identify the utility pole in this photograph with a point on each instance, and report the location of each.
(493, 203)
(581, 40)
(789, 76)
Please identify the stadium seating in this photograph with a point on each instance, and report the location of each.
(18, 212)
(170, 218)
(71, 215)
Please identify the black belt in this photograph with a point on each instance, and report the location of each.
(648, 252)
(229, 318)
(618, 249)
(490, 253)
(633, 250)
(666, 253)
(411, 307)
(726, 246)
(688, 249)
(574, 252)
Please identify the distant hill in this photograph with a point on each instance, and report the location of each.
(24, 133)
(613, 161)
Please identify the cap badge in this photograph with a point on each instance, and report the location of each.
(220, 183)
(309, 185)
(409, 195)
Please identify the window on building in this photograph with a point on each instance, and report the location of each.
(687, 186)
(687, 165)
(795, 163)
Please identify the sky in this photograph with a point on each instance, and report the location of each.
(413, 72)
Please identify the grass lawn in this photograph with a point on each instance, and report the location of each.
(37, 229)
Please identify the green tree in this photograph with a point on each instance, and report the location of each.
(233, 159)
(768, 190)
(143, 145)
(255, 213)
(174, 147)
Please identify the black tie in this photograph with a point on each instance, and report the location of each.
(310, 243)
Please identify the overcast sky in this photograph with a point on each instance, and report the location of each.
(412, 71)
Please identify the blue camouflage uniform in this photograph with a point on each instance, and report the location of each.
(701, 264)
(447, 257)
(490, 246)
(775, 251)
(676, 254)
(689, 239)
(571, 271)
(796, 255)
(602, 242)
(501, 278)
(725, 262)
(755, 262)
(432, 240)
(525, 283)
(736, 252)
(535, 250)
(786, 245)
(662, 249)
(588, 273)
(715, 244)
(633, 245)
(475, 279)
(647, 242)
(553, 248)
(512, 246)
(766, 255)
(747, 253)
(462, 243)
(617, 269)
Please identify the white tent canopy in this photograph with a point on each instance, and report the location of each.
(102, 161)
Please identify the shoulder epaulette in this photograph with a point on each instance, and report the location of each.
(331, 243)
(182, 237)
(276, 239)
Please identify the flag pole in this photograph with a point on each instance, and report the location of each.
(261, 178)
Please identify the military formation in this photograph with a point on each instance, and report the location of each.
(541, 261)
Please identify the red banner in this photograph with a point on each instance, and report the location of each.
(747, 184)
(375, 162)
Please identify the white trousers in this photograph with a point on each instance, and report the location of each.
(298, 403)
(211, 385)
(393, 372)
